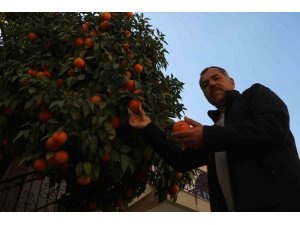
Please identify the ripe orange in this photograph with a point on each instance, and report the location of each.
(178, 174)
(88, 42)
(48, 74)
(104, 25)
(131, 55)
(96, 99)
(31, 72)
(32, 36)
(106, 157)
(93, 33)
(79, 63)
(51, 145)
(138, 68)
(129, 14)
(60, 82)
(45, 116)
(137, 92)
(181, 126)
(126, 45)
(134, 105)
(127, 33)
(105, 16)
(93, 205)
(70, 73)
(130, 85)
(61, 157)
(60, 137)
(174, 189)
(84, 180)
(79, 42)
(115, 122)
(86, 26)
(128, 74)
(40, 165)
(39, 74)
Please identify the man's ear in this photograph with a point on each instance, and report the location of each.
(232, 82)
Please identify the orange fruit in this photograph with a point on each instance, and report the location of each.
(39, 74)
(93, 33)
(48, 74)
(86, 26)
(131, 55)
(32, 36)
(137, 92)
(96, 99)
(40, 165)
(105, 16)
(128, 74)
(130, 85)
(60, 137)
(70, 73)
(60, 82)
(174, 189)
(45, 116)
(93, 205)
(79, 63)
(127, 33)
(106, 157)
(126, 45)
(129, 14)
(181, 126)
(115, 122)
(79, 42)
(88, 42)
(61, 157)
(84, 180)
(104, 25)
(134, 105)
(31, 72)
(51, 145)
(138, 68)
(178, 174)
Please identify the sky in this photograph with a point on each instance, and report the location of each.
(253, 47)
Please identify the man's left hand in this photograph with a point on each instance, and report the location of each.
(191, 138)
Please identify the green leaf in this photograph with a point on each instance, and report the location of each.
(87, 168)
(75, 113)
(86, 110)
(78, 169)
(110, 130)
(20, 134)
(50, 155)
(81, 77)
(124, 162)
(125, 149)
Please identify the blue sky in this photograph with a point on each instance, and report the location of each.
(253, 47)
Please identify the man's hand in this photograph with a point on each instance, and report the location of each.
(192, 138)
(140, 120)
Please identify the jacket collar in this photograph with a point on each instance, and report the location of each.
(230, 96)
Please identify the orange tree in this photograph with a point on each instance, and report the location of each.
(68, 82)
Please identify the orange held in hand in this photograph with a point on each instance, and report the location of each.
(181, 126)
(134, 105)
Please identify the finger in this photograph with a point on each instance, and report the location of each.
(191, 122)
(143, 113)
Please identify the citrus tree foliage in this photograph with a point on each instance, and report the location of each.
(77, 74)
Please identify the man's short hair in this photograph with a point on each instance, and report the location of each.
(222, 70)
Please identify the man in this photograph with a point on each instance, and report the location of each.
(250, 152)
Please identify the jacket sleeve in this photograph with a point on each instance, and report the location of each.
(268, 124)
(180, 160)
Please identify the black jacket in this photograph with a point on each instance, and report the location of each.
(262, 157)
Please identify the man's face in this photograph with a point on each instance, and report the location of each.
(214, 84)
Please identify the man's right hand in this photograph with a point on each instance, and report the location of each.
(140, 120)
